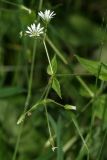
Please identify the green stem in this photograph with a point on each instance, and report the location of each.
(17, 143)
(20, 6)
(102, 145)
(98, 74)
(47, 118)
(48, 56)
(56, 50)
(85, 86)
(40, 5)
(44, 92)
(29, 91)
(83, 140)
(27, 100)
(31, 75)
(11, 3)
(73, 74)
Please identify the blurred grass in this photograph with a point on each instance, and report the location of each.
(78, 27)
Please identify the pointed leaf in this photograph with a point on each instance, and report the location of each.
(54, 66)
(93, 67)
(56, 87)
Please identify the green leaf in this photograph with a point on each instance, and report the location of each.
(54, 66)
(104, 65)
(56, 87)
(100, 109)
(93, 67)
(70, 107)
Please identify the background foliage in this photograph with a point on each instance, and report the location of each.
(79, 28)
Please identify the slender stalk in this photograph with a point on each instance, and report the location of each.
(11, 3)
(47, 55)
(56, 50)
(17, 5)
(73, 74)
(31, 75)
(98, 74)
(84, 142)
(102, 145)
(103, 115)
(27, 100)
(58, 104)
(47, 92)
(102, 87)
(40, 5)
(17, 143)
(85, 86)
(100, 53)
(29, 91)
(47, 118)
(96, 86)
(44, 92)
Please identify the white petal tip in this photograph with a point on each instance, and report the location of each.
(74, 107)
(70, 107)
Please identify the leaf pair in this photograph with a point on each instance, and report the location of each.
(55, 82)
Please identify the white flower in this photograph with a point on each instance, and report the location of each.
(47, 15)
(34, 31)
